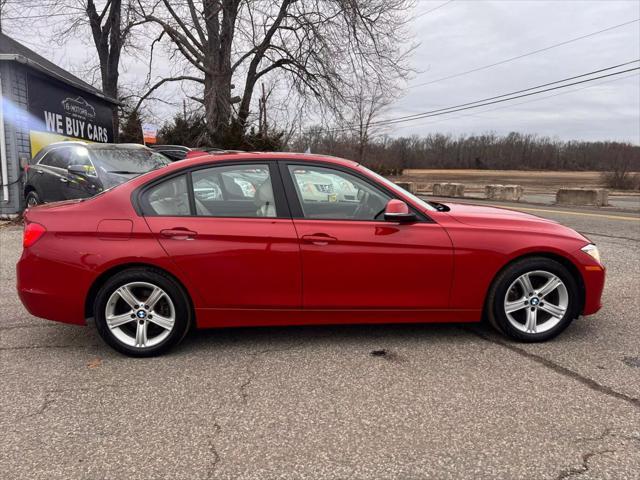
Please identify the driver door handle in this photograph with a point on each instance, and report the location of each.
(319, 239)
(64, 180)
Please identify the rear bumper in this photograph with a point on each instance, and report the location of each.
(61, 300)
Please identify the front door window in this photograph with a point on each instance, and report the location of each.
(325, 193)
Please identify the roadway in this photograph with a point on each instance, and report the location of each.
(446, 401)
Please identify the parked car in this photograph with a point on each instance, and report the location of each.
(316, 187)
(68, 170)
(139, 258)
(180, 152)
(172, 152)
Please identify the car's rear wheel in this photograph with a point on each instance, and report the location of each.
(32, 199)
(142, 312)
(534, 299)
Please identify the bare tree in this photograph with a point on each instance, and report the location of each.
(316, 44)
(362, 110)
(3, 9)
(111, 23)
(111, 27)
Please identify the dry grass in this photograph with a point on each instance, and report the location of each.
(532, 181)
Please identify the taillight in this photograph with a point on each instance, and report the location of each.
(32, 233)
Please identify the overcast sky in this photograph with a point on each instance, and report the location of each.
(462, 35)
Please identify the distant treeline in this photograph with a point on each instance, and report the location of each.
(514, 151)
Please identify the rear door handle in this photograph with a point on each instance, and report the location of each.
(319, 239)
(64, 180)
(178, 233)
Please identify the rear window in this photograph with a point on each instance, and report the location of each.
(127, 160)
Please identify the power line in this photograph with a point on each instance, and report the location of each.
(432, 9)
(533, 52)
(458, 109)
(529, 101)
(408, 117)
(472, 105)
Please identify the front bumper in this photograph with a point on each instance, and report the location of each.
(593, 276)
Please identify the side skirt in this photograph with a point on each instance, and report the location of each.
(236, 317)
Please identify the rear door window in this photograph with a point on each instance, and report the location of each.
(234, 191)
(240, 191)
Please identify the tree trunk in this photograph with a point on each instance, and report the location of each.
(111, 90)
(108, 41)
(217, 104)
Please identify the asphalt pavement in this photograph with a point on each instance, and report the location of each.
(445, 401)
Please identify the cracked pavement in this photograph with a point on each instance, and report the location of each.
(446, 401)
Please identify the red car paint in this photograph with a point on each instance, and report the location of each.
(284, 271)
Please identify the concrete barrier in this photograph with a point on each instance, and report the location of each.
(511, 193)
(408, 186)
(422, 187)
(448, 189)
(583, 196)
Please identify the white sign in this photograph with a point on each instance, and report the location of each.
(149, 132)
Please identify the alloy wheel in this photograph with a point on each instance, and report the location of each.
(140, 314)
(536, 302)
(31, 201)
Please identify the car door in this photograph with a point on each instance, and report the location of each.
(50, 175)
(80, 185)
(227, 227)
(351, 257)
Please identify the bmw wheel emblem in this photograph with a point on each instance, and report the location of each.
(141, 314)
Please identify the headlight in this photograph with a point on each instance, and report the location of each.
(592, 251)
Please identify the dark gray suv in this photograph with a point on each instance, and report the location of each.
(69, 170)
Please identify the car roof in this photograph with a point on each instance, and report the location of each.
(94, 146)
(115, 146)
(257, 156)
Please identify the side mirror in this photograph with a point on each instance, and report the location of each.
(81, 170)
(398, 211)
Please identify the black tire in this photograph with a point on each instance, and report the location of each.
(32, 198)
(177, 295)
(498, 293)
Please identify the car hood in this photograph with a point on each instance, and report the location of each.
(503, 218)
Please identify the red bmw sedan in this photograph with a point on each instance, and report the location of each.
(248, 239)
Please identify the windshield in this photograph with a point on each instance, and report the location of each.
(127, 160)
(388, 183)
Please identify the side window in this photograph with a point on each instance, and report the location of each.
(325, 193)
(234, 191)
(56, 158)
(169, 198)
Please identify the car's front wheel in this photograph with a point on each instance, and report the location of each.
(32, 199)
(534, 299)
(142, 312)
